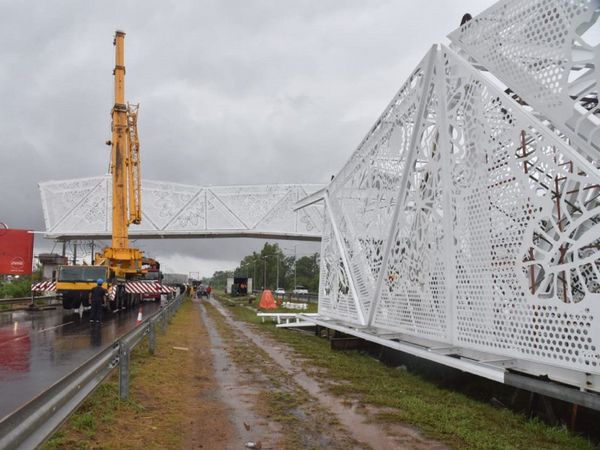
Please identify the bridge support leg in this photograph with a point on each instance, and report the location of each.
(124, 372)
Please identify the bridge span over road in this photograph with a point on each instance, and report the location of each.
(80, 209)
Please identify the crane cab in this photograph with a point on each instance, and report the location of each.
(74, 283)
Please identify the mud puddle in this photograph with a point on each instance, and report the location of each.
(351, 415)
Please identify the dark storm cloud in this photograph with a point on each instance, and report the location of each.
(232, 92)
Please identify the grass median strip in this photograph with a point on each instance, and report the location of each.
(169, 392)
(449, 416)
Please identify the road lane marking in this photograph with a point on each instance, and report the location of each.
(57, 326)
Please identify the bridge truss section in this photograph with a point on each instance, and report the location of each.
(466, 226)
(81, 209)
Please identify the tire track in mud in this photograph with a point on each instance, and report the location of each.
(353, 421)
(279, 412)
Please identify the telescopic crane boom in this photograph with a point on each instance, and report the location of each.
(118, 264)
(123, 260)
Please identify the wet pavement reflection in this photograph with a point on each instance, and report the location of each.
(37, 348)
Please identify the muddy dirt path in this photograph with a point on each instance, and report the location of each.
(238, 393)
(353, 429)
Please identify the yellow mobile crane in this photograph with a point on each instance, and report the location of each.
(119, 262)
(123, 260)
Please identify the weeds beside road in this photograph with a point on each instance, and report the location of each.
(451, 417)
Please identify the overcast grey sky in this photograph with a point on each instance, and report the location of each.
(231, 92)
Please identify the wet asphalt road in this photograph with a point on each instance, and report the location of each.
(38, 348)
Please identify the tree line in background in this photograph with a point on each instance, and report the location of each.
(272, 268)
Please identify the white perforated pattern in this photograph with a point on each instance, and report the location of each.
(413, 297)
(544, 51)
(363, 195)
(497, 238)
(335, 297)
(83, 206)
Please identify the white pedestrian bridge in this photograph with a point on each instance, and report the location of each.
(81, 209)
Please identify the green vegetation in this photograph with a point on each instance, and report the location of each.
(449, 416)
(219, 279)
(101, 406)
(262, 268)
(19, 287)
(16, 288)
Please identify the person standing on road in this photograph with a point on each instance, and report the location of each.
(97, 296)
(208, 291)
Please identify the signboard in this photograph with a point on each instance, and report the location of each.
(16, 252)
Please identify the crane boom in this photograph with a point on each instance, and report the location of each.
(133, 166)
(123, 260)
(118, 263)
(120, 220)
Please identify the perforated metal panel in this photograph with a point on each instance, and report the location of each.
(470, 216)
(362, 197)
(83, 208)
(546, 52)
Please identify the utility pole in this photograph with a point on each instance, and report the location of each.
(74, 252)
(265, 273)
(92, 257)
(277, 287)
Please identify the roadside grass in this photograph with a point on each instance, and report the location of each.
(152, 418)
(101, 407)
(449, 416)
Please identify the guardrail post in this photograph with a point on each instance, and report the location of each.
(152, 337)
(162, 321)
(124, 371)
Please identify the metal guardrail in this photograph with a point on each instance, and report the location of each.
(14, 301)
(33, 423)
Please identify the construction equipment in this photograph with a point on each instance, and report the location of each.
(118, 263)
(123, 260)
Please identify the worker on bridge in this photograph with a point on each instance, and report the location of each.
(97, 297)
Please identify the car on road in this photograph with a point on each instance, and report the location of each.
(300, 290)
(279, 291)
(201, 292)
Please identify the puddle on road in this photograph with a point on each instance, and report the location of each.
(238, 394)
(37, 348)
(394, 437)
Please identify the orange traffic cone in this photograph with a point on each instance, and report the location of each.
(139, 317)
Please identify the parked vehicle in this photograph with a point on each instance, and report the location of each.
(279, 291)
(300, 290)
